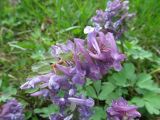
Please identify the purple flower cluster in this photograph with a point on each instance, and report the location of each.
(113, 18)
(120, 110)
(80, 59)
(12, 110)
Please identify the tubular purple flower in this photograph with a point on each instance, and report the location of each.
(112, 18)
(43, 92)
(35, 80)
(60, 117)
(64, 69)
(79, 76)
(80, 59)
(120, 109)
(57, 50)
(116, 56)
(115, 5)
(12, 110)
(84, 112)
(107, 52)
(56, 117)
(53, 84)
(86, 102)
(92, 70)
(57, 82)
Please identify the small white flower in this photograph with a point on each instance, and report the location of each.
(88, 29)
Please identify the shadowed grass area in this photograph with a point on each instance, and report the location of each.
(30, 27)
(146, 24)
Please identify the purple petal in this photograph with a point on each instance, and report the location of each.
(43, 92)
(87, 102)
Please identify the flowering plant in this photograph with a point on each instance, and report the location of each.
(91, 58)
(86, 59)
(111, 73)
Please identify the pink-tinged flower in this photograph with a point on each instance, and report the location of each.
(103, 48)
(12, 110)
(120, 110)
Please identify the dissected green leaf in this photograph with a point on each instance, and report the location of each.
(118, 79)
(41, 67)
(46, 111)
(7, 93)
(97, 85)
(99, 114)
(129, 71)
(150, 101)
(117, 93)
(151, 109)
(91, 92)
(107, 88)
(28, 114)
(126, 77)
(145, 82)
(138, 101)
(137, 52)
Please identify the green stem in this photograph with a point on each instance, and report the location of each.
(122, 46)
(21, 97)
(155, 71)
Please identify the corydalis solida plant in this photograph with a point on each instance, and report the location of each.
(91, 58)
(12, 110)
(120, 110)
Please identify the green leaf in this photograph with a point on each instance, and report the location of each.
(118, 79)
(91, 92)
(7, 93)
(137, 52)
(129, 71)
(150, 101)
(88, 82)
(41, 67)
(107, 88)
(46, 111)
(145, 82)
(28, 114)
(151, 109)
(117, 93)
(138, 101)
(99, 114)
(31, 90)
(15, 45)
(126, 77)
(97, 85)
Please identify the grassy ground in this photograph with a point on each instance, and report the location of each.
(30, 27)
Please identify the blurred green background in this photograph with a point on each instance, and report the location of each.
(29, 27)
